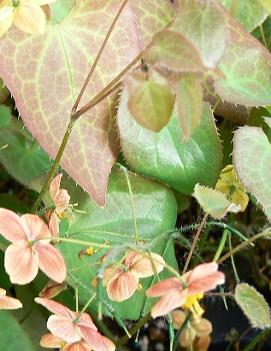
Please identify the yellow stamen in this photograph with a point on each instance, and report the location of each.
(192, 303)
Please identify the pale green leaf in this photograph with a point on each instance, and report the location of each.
(214, 202)
(246, 67)
(252, 162)
(189, 99)
(60, 9)
(254, 305)
(150, 100)
(249, 13)
(173, 51)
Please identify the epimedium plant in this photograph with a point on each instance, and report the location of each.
(121, 95)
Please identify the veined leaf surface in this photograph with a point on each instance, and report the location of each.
(46, 72)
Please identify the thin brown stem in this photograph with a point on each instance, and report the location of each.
(244, 244)
(194, 243)
(110, 85)
(54, 165)
(98, 56)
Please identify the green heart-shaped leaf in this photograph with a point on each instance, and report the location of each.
(165, 155)
(155, 212)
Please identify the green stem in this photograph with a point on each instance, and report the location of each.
(76, 298)
(221, 245)
(82, 242)
(132, 204)
(54, 165)
(232, 261)
(88, 303)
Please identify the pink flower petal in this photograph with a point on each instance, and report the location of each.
(168, 303)
(9, 303)
(2, 292)
(20, 263)
(56, 308)
(122, 286)
(63, 328)
(78, 346)
(55, 185)
(129, 259)
(51, 262)
(143, 265)
(86, 321)
(207, 283)
(164, 287)
(54, 224)
(51, 341)
(35, 227)
(96, 341)
(62, 200)
(11, 226)
(201, 271)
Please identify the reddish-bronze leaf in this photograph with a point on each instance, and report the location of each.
(205, 27)
(46, 72)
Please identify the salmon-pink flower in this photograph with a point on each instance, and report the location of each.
(8, 303)
(61, 199)
(187, 291)
(123, 281)
(30, 248)
(53, 342)
(27, 15)
(73, 327)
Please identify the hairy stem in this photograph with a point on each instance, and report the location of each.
(194, 243)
